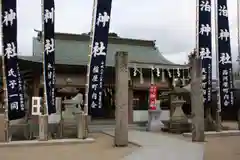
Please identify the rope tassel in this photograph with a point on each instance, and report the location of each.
(163, 76)
(152, 75)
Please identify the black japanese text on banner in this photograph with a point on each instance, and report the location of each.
(49, 54)
(98, 56)
(205, 47)
(16, 107)
(224, 55)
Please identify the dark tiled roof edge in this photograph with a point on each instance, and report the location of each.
(113, 40)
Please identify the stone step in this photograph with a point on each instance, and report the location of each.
(94, 128)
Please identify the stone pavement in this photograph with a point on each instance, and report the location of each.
(157, 146)
(45, 143)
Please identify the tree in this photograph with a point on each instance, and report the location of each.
(112, 34)
(197, 105)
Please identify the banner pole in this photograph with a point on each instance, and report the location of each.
(43, 118)
(86, 114)
(238, 34)
(196, 29)
(6, 120)
(43, 59)
(218, 110)
(90, 52)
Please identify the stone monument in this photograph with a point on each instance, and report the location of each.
(121, 97)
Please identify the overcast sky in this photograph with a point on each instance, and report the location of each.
(170, 22)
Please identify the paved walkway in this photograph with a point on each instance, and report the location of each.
(157, 146)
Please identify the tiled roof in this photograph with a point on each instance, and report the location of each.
(75, 51)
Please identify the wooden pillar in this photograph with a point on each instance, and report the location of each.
(36, 85)
(130, 105)
(121, 98)
(43, 127)
(34, 92)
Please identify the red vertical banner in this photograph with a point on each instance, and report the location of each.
(152, 97)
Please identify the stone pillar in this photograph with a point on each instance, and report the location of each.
(43, 127)
(59, 111)
(130, 105)
(197, 100)
(80, 118)
(121, 97)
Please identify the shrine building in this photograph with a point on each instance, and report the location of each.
(72, 58)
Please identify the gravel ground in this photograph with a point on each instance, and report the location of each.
(219, 148)
(222, 148)
(101, 149)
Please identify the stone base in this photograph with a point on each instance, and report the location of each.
(89, 118)
(46, 143)
(81, 118)
(154, 122)
(217, 134)
(86, 123)
(43, 127)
